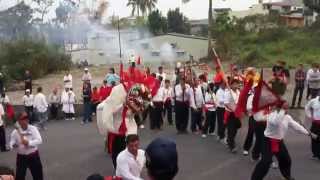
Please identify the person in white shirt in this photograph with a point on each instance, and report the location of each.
(313, 112)
(156, 120)
(168, 95)
(220, 94)
(197, 102)
(86, 77)
(183, 96)
(162, 74)
(28, 104)
(68, 99)
(54, 101)
(131, 161)
(41, 106)
(232, 122)
(3, 143)
(4, 98)
(278, 123)
(313, 81)
(67, 79)
(210, 111)
(25, 139)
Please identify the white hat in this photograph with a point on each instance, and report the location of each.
(86, 69)
(27, 90)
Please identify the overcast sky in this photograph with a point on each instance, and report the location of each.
(195, 9)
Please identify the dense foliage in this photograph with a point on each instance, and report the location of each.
(262, 39)
(36, 56)
(157, 23)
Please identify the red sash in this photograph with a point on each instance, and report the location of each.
(226, 117)
(275, 145)
(112, 178)
(122, 130)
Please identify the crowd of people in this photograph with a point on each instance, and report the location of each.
(210, 103)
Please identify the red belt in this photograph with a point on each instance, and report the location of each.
(275, 145)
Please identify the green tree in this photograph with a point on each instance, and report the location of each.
(157, 23)
(15, 22)
(223, 32)
(313, 5)
(142, 6)
(210, 22)
(177, 22)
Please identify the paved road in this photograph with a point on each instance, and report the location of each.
(71, 152)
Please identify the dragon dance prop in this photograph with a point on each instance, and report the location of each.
(116, 113)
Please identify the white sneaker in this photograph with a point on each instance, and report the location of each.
(245, 153)
(73, 119)
(67, 119)
(204, 136)
(224, 141)
(274, 165)
(212, 134)
(141, 126)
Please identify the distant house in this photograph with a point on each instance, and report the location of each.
(284, 7)
(253, 10)
(198, 25)
(292, 12)
(217, 11)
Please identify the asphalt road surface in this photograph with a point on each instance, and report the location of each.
(71, 151)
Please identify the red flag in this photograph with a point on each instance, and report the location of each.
(264, 97)
(243, 98)
(153, 84)
(139, 60)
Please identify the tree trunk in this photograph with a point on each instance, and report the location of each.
(210, 19)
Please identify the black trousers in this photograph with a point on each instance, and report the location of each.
(69, 115)
(295, 93)
(259, 128)
(94, 107)
(196, 119)
(168, 110)
(29, 111)
(156, 119)
(315, 143)
(308, 92)
(32, 162)
(210, 123)
(118, 145)
(233, 125)
(145, 114)
(182, 116)
(54, 111)
(314, 92)
(249, 138)
(2, 138)
(221, 125)
(263, 166)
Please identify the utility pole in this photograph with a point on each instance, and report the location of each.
(119, 37)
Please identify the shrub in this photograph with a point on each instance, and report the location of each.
(36, 56)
